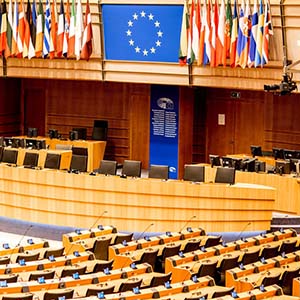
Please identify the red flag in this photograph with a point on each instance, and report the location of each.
(53, 31)
(214, 34)
(87, 47)
(61, 29)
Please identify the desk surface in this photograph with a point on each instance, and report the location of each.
(77, 200)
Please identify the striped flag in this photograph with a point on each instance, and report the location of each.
(14, 46)
(207, 37)
(259, 36)
(47, 30)
(71, 43)
(87, 40)
(190, 52)
(268, 31)
(234, 35)
(78, 30)
(40, 23)
(28, 50)
(66, 30)
(3, 27)
(53, 30)
(61, 29)
(214, 34)
(183, 48)
(197, 29)
(253, 36)
(9, 30)
(228, 28)
(33, 23)
(21, 30)
(221, 35)
(202, 35)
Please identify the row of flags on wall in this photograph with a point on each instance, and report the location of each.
(217, 33)
(48, 34)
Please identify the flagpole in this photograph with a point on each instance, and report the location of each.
(101, 39)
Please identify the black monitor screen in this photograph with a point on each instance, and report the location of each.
(214, 160)
(225, 175)
(278, 153)
(10, 156)
(31, 159)
(227, 162)
(194, 173)
(249, 164)
(256, 150)
(288, 154)
(159, 171)
(52, 161)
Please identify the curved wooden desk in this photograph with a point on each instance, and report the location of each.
(60, 198)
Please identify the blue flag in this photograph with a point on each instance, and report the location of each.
(142, 32)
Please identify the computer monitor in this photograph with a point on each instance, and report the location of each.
(159, 171)
(81, 133)
(18, 143)
(227, 162)
(278, 153)
(53, 133)
(288, 154)
(283, 167)
(225, 175)
(214, 160)
(8, 142)
(52, 161)
(256, 150)
(194, 173)
(10, 156)
(248, 165)
(31, 159)
(41, 144)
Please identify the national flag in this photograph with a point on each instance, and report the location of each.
(28, 49)
(214, 32)
(190, 52)
(33, 23)
(142, 32)
(253, 36)
(78, 29)
(66, 30)
(53, 30)
(234, 35)
(259, 36)
(183, 49)
(61, 29)
(227, 35)
(87, 40)
(47, 30)
(202, 34)
(21, 30)
(3, 27)
(196, 29)
(40, 23)
(14, 46)
(9, 30)
(71, 42)
(220, 42)
(268, 31)
(207, 37)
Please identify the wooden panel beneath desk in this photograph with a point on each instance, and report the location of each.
(60, 198)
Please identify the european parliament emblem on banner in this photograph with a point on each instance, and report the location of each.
(142, 32)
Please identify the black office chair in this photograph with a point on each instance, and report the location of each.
(159, 171)
(52, 161)
(286, 280)
(288, 246)
(197, 296)
(59, 294)
(228, 262)
(107, 167)
(194, 173)
(132, 168)
(168, 250)
(149, 256)
(225, 175)
(271, 279)
(269, 251)
(191, 245)
(79, 163)
(31, 159)
(250, 257)
(121, 237)
(212, 241)
(157, 280)
(10, 156)
(100, 247)
(208, 267)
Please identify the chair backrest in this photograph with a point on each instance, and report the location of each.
(52, 161)
(72, 270)
(79, 162)
(55, 295)
(31, 159)
(129, 285)
(47, 274)
(250, 257)
(27, 257)
(198, 296)
(132, 168)
(120, 237)
(149, 257)
(212, 241)
(286, 281)
(10, 156)
(23, 296)
(194, 173)
(170, 251)
(288, 246)
(225, 175)
(160, 280)
(95, 291)
(271, 279)
(107, 167)
(100, 248)
(159, 171)
(9, 277)
(269, 251)
(54, 252)
(100, 266)
(208, 268)
(223, 292)
(191, 246)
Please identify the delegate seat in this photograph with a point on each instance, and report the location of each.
(31, 159)
(132, 168)
(59, 294)
(159, 171)
(107, 167)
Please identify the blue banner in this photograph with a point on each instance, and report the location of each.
(164, 127)
(142, 32)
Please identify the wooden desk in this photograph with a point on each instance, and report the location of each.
(77, 200)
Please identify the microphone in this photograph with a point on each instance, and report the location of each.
(104, 212)
(187, 222)
(243, 230)
(145, 230)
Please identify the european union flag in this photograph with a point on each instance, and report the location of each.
(142, 32)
